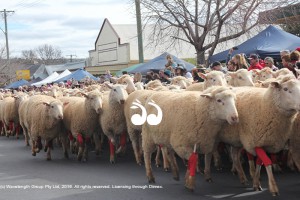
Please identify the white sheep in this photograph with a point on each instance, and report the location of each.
(213, 78)
(207, 113)
(81, 118)
(44, 121)
(112, 119)
(267, 127)
(241, 77)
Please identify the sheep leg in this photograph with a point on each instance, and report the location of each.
(164, 152)
(136, 147)
(71, 138)
(49, 145)
(6, 130)
(292, 160)
(191, 172)
(268, 165)
(157, 157)
(39, 145)
(235, 152)
(86, 149)
(207, 174)
(174, 167)
(251, 164)
(81, 146)
(33, 147)
(217, 160)
(275, 164)
(18, 129)
(26, 136)
(256, 182)
(149, 148)
(65, 146)
(111, 152)
(98, 144)
(123, 140)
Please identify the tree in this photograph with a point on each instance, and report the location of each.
(49, 54)
(29, 55)
(202, 23)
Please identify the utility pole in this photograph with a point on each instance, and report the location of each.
(139, 30)
(6, 34)
(71, 56)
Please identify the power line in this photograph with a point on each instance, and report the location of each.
(6, 33)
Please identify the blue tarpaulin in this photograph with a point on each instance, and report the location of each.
(16, 84)
(269, 42)
(158, 63)
(78, 75)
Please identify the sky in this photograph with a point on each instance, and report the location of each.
(71, 25)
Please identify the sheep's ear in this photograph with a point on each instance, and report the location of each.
(65, 103)
(269, 70)
(203, 76)
(15, 97)
(256, 71)
(207, 95)
(46, 103)
(107, 85)
(275, 84)
(84, 94)
(232, 74)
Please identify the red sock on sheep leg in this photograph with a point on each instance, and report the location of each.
(71, 138)
(259, 161)
(192, 164)
(274, 158)
(123, 139)
(80, 139)
(261, 154)
(250, 156)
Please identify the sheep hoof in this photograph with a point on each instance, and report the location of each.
(49, 159)
(45, 149)
(97, 152)
(258, 188)
(33, 154)
(79, 158)
(112, 162)
(158, 165)
(17, 137)
(176, 178)
(219, 169)
(166, 169)
(151, 180)
(140, 163)
(274, 194)
(246, 183)
(189, 189)
(209, 180)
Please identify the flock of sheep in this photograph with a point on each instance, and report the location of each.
(262, 116)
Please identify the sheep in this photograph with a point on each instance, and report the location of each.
(44, 120)
(241, 77)
(181, 134)
(112, 119)
(212, 78)
(10, 113)
(265, 128)
(151, 85)
(181, 81)
(81, 118)
(293, 146)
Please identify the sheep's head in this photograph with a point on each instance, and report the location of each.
(180, 81)
(117, 94)
(214, 78)
(241, 77)
(287, 91)
(223, 102)
(55, 109)
(95, 99)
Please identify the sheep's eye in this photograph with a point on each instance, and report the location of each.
(115, 90)
(52, 106)
(92, 98)
(219, 100)
(240, 77)
(285, 89)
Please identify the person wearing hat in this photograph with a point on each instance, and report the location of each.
(254, 62)
(179, 70)
(217, 66)
(165, 76)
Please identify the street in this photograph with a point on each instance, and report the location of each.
(23, 176)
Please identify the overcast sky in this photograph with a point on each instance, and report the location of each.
(71, 25)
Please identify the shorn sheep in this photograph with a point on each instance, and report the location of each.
(267, 127)
(112, 119)
(204, 115)
(81, 118)
(213, 78)
(44, 120)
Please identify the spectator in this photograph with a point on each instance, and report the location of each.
(295, 59)
(254, 62)
(148, 78)
(124, 72)
(137, 77)
(286, 62)
(195, 75)
(231, 66)
(217, 66)
(179, 70)
(284, 52)
(269, 62)
(240, 62)
(187, 74)
(171, 65)
(165, 76)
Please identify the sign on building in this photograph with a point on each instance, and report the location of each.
(23, 74)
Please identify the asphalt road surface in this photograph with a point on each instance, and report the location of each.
(23, 177)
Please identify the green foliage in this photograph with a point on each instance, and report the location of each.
(191, 60)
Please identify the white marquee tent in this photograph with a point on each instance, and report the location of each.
(49, 79)
(63, 74)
